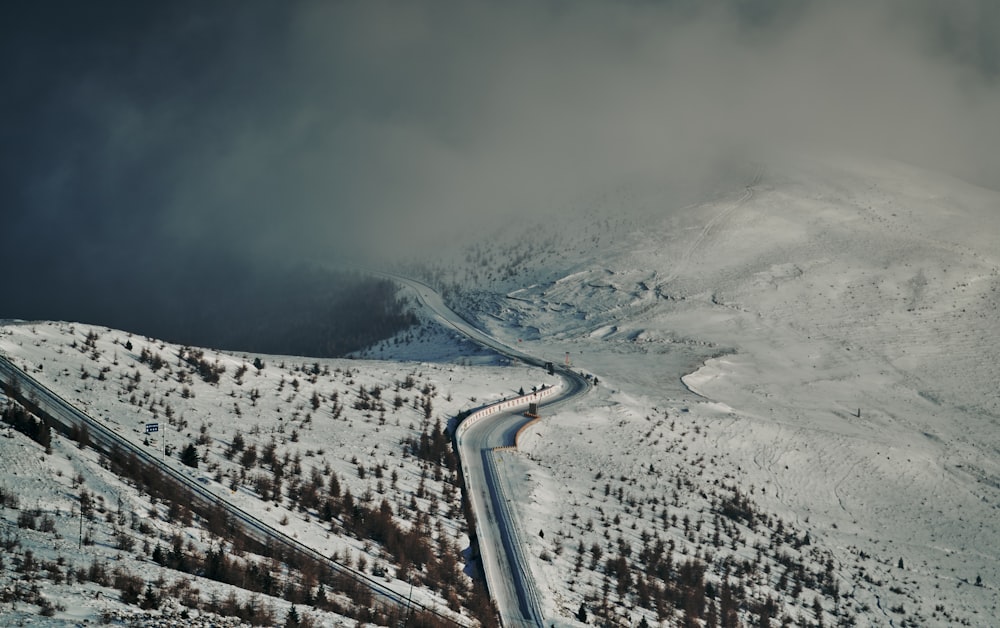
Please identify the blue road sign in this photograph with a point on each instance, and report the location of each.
(152, 427)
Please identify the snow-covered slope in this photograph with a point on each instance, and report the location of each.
(827, 339)
(797, 396)
(334, 427)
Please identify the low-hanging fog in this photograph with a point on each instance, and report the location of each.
(145, 143)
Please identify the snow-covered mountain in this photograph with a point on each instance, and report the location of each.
(823, 340)
(349, 457)
(796, 418)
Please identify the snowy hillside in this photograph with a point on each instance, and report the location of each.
(824, 341)
(312, 447)
(796, 421)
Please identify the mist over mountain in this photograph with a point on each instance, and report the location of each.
(145, 144)
(289, 310)
(761, 233)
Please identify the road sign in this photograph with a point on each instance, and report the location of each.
(152, 427)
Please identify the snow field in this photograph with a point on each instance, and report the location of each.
(312, 413)
(815, 360)
(836, 287)
(49, 484)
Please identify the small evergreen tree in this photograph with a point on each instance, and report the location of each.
(189, 456)
(45, 436)
(83, 436)
(292, 618)
(149, 599)
(86, 504)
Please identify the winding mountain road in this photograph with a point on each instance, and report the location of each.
(508, 575)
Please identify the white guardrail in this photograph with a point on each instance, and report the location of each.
(530, 603)
(502, 406)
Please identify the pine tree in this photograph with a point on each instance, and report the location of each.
(149, 599)
(189, 456)
(83, 436)
(292, 618)
(45, 436)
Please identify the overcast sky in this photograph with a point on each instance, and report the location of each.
(139, 141)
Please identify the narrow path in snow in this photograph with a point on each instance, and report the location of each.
(681, 266)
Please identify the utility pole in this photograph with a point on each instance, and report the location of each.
(409, 603)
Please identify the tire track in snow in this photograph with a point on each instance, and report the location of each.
(711, 224)
(836, 487)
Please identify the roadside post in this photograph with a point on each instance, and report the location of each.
(155, 427)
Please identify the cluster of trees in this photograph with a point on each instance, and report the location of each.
(27, 587)
(413, 547)
(403, 532)
(368, 400)
(134, 590)
(8, 498)
(406, 539)
(410, 548)
(210, 372)
(153, 360)
(434, 447)
(705, 569)
(23, 421)
(308, 583)
(256, 575)
(289, 575)
(652, 580)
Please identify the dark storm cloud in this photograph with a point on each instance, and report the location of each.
(143, 143)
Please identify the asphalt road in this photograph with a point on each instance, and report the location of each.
(508, 574)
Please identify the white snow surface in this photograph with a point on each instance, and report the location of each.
(825, 341)
(831, 332)
(274, 403)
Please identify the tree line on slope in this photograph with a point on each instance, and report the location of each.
(402, 525)
(283, 573)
